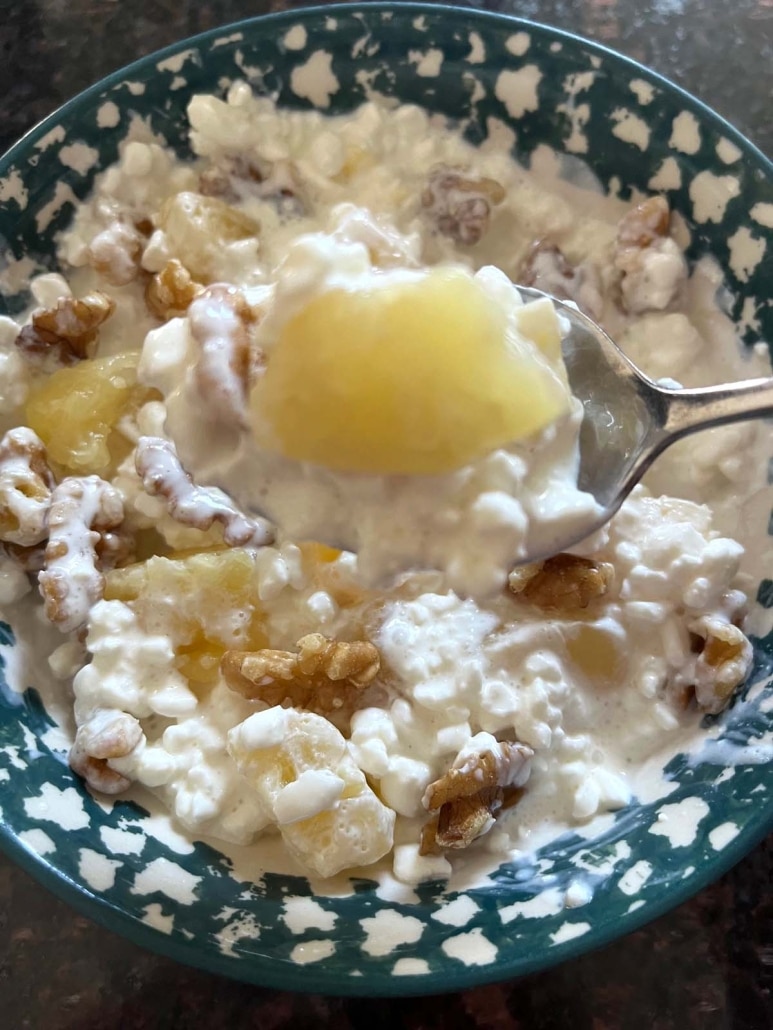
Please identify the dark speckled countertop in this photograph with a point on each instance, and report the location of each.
(707, 965)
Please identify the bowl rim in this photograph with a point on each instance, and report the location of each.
(310, 979)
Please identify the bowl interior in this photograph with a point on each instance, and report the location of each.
(121, 861)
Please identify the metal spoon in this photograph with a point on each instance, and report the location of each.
(629, 420)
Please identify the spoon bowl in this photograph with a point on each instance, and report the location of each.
(629, 419)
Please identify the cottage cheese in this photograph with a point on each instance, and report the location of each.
(468, 670)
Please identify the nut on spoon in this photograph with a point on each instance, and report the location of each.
(629, 419)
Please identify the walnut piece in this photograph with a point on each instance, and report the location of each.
(460, 203)
(562, 583)
(469, 796)
(26, 483)
(67, 333)
(324, 676)
(162, 475)
(651, 265)
(170, 292)
(115, 253)
(219, 320)
(83, 509)
(546, 268)
(723, 663)
(109, 733)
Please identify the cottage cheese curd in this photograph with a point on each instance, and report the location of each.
(280, 689)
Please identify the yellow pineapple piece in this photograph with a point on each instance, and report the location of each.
(538, 321)
(417, 376)
(207, 603)
(301, 768)
(198, 227)
(75, 411)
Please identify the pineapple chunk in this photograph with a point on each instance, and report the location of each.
(418, 376)
(198, 227)
(300, 767)
(538, 321)
(75, 412)
(206, 603)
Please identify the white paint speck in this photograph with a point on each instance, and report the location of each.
(518, 90)
(136, 88)
(477, 54)
(12, 188)
(635, 905)
(668, 176)
(428, 64)
(78, 156)
(473, 949)
(108, 115)
(311, 951)
(679, 822)
(548, 903)
(175, 62)
(630, 128)
(685, 133)
(315, 80)
(178, 82)
(746, 252)
(55, 135)
(63, 194)
(245, 926)
(235, 37)
(710, 194)
(153, 916)
(388, 929)
(63, 807)
(420, 23)
(519, 43)
(728, 152)
(457, 912)
(296, 38)
(165, 877)
(643, 91)
(634, 878)
(763, 214)
(721, 835)
(302, 914)
(37, 841)
(410, 967)
(97, 870)
(122, 842)
(568, 932)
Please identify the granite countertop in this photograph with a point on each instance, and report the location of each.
(707, 964)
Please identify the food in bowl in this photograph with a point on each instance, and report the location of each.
(223, 326)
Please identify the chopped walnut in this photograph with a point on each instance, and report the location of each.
(67, 333)
(459, 203)
(170, 292)
(26, 483)
(324, 676)
(162, 475)
(469, 796)
(562, 583)
(651, 264)
(219, 321)
(236, 178)
(109, 733)
(115, 253)
(546, 268)
(83, 509)
(723, 663)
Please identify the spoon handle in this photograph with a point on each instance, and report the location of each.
(685, 411)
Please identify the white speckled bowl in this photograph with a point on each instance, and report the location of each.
(121, 862)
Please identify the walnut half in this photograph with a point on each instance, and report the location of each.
(564, 583)
(468, 797)
(67, 333)
(324, 676)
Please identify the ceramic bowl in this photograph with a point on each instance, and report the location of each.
(120, 861)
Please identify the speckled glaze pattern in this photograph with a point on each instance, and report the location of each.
(626, 123)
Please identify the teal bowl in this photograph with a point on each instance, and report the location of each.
(275, 931)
